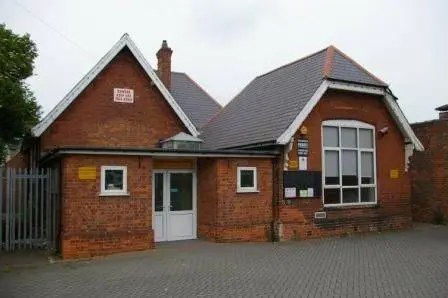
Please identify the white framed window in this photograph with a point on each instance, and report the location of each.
(114, 180)
(246, 179)
(349, 163)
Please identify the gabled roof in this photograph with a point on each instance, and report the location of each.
(125, 41)
(194, 101)
(442, 108)
(269, 105)
(339, 66)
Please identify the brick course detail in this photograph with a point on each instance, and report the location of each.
(224, 214)
(393, 208)
(95, 120)
(93, 224)
(429, 171)
(96, 225)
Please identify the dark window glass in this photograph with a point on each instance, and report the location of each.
(367, 194)
(113, 180)
(247, 178)
(332, 196)
(181, 191)
(158, 192)
(350, 195)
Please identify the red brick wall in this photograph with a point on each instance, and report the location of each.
(429, 171)
(94, 119)
(224, 214)
(393, 210)
(207, 197)
(97, 225)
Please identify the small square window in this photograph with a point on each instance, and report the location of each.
(247, 179)
(113, 180)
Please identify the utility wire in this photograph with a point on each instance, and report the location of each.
(62, 35)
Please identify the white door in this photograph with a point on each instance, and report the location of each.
(158, 206)
(174, 205)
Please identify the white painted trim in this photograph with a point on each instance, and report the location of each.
(106, 192)
(239, 188)
(166, 201)
(348, 123)
(125, 41)
(351, 124)
(391, 104)
(95, 152)
(154, 212)
(288, 149)
(356, 88)
(294, 126)
(402, 122)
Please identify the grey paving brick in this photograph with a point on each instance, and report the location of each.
(401, 264)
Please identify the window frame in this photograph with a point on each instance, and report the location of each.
(349, 124)
(239, 188)
(107, 192)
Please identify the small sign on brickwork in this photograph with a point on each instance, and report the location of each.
(302, 147)
(123, 95)
(394, 174)
(290, 192)
(293, 164)
(87, 173)
(303, 163)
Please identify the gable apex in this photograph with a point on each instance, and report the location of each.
(340, 66)
(124, 41)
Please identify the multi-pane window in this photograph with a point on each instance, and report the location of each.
(348, 162)
(113, 180)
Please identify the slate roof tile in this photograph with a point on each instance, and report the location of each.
(265, 108)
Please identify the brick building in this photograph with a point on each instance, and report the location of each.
(316, 147)
(429, 170)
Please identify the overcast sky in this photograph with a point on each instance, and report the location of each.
(225, 44)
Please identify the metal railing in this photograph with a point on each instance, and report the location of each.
(29, 208)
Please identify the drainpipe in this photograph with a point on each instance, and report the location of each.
(275, 225)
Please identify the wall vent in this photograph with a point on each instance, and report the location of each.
(320, 215)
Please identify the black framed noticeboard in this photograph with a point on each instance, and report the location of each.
(303, 180)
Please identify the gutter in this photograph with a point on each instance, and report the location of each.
(255, 145)
(157, 152)
(385, 87)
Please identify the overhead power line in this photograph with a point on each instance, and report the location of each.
(54, 29)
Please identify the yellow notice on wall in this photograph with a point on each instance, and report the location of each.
(394, 174)
(293, 164)
(87, 173)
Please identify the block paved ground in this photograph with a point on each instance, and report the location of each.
(396, 264)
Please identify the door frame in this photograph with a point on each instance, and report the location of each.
(166, 201)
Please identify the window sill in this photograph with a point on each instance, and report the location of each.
(114, 194)
(363, 206)
(247, 191)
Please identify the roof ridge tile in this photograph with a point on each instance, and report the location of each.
(328, 65)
